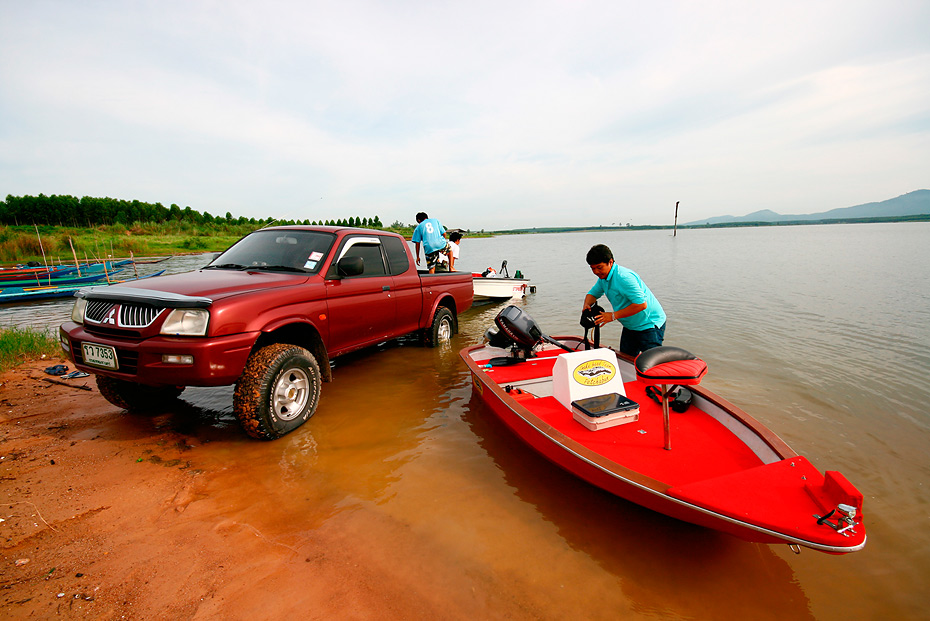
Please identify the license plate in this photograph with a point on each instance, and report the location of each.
(100, 355)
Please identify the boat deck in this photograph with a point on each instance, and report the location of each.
(701, 447)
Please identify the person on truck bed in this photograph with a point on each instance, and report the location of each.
(432, 234)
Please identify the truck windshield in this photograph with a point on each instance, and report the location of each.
(277, 249)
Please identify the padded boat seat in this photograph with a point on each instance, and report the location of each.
(669, 365)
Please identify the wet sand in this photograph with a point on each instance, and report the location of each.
(109, 515)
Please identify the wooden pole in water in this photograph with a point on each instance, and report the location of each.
(74, 254)
(44, 260)
(675, 231)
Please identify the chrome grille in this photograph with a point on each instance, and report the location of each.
(129, 315)
(96, 310)
(137, 315)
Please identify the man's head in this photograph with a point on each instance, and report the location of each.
(455, 237)
(421, 217)
(601, 259)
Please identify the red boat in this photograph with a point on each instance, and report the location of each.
(708, 462)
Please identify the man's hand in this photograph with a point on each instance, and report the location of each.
(603, 319)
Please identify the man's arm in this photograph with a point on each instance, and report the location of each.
(626, 311)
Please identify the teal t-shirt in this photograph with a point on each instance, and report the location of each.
(624, 287)
(430, 232)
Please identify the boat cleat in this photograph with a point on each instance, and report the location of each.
(845, 520)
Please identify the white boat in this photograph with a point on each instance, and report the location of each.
(498, 286)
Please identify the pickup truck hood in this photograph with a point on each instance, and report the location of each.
(212, 284)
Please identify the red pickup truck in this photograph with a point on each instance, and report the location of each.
(266, 315)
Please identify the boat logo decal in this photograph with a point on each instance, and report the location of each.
(594, 372)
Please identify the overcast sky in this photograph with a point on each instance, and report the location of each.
(487, 115)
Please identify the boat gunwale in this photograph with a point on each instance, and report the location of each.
(655, 487)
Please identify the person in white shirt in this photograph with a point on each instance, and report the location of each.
(454, 240)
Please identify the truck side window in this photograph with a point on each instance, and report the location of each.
(397, 254)
(369, 252)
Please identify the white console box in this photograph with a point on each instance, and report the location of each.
(581, 374)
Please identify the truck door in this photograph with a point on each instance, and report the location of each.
(362, 308)
(408, 291)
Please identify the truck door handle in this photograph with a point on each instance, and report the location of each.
(386, 288)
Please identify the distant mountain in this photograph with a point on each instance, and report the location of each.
(910, 204)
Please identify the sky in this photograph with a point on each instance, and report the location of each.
(484, 114)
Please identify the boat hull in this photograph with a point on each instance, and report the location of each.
(15, 295)
(721, 502)
(491, 288)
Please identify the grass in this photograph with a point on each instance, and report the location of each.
(19, 345)
(54, 244)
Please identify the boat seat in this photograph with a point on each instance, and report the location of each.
(667, 367)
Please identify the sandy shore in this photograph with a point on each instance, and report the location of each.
(107, 515)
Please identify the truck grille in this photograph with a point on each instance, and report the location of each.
(126, 315)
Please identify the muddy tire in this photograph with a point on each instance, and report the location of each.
(442, 329)
(278, 391)
(136, 397)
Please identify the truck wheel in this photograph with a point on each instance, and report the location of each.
(442, 329)
(278, 391)
(136, 397)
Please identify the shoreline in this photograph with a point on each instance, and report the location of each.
(111, 515)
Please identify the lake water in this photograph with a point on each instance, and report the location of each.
(820, 332)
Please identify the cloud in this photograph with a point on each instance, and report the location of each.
(489, 115)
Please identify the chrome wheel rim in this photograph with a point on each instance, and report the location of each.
(445, 330)
(291, 394)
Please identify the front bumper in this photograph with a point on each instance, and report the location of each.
(218, 361)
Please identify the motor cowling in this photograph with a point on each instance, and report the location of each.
(519, 327)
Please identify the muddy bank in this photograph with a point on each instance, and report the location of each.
(107, 514)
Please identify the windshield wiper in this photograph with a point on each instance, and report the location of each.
(280, 268)
(226, 266)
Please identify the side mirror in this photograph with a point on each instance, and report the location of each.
(350, 266)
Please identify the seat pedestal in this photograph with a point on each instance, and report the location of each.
(666, 367)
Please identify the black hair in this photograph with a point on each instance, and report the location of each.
(599, 254)
(422, 216)
(454, 237)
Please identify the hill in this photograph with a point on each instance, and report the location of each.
(910, 204)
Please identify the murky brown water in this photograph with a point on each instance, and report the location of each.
(820, 332)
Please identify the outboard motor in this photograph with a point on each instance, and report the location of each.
(520, 328)
(496, 338)
(523, 331)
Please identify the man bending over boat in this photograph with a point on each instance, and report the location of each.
(432, 234)
(635, 307)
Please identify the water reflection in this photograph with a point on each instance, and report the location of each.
(661, 564)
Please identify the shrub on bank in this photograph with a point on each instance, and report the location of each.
(19, 345)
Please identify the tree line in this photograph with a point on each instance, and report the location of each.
(89, 211)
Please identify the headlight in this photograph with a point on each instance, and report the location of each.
(77, 311)
(186, 322)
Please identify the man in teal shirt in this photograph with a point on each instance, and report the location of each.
(432, 234)
(634, 305)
